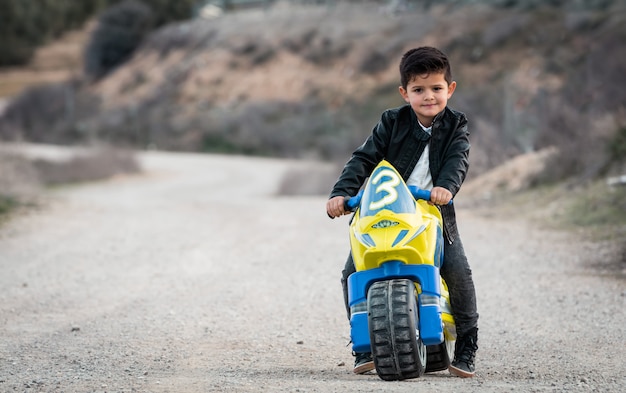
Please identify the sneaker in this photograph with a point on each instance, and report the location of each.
(363, 362)
(464, 354)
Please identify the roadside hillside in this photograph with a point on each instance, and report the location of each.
(309, 81)
(57, 62)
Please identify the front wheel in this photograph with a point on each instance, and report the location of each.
(397, 348)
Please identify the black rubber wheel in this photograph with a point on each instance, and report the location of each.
(439, 356)
(397, 350)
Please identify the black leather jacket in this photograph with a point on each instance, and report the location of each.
(400, 139)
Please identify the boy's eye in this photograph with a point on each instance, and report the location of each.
(418, 90)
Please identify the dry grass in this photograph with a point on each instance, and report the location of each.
(19, 183)
(23, 176)
(18, 177)
(311, 180)
(98, 165)
(53, 63)
(594, 211)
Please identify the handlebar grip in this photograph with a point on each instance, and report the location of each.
(419, 193)
(351, 203)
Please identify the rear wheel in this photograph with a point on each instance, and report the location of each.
(398, 351)
(439, 356)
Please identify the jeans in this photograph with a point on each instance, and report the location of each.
(458, 276)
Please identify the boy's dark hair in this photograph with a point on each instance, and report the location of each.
(423, 61)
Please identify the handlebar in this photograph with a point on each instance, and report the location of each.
(418, 193)
(351, 203)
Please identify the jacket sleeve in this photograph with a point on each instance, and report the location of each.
(455, 163)
(365, 158)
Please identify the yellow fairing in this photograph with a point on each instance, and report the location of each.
(412, 240)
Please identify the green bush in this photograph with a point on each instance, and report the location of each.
(7, 203)
(120, 30)
(166, 11)
(49, 114)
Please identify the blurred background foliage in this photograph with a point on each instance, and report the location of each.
(27, 24)
(309, 79)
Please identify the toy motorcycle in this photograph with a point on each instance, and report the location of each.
(400, 308)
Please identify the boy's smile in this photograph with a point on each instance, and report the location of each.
(428, 95)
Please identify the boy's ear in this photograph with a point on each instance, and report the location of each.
(404, 93)
(451, 88)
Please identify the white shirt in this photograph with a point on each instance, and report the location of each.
(420, 176)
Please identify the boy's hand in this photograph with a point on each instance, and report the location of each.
(439, 196)
(335, 208)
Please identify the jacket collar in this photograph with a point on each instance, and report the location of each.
(418, 130)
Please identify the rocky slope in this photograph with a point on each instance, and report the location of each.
(311, 80)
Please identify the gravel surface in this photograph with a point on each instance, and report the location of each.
(196, 277)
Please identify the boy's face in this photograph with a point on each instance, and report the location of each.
(428, 95)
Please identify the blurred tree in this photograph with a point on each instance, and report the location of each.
(24, 25)
(121, 28)
(166, 11)
(27, 24)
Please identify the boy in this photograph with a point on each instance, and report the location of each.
(428, 143)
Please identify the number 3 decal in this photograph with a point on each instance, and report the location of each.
(388, 186)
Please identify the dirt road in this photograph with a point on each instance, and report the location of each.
(196, 277)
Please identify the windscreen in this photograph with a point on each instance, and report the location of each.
(385, 190)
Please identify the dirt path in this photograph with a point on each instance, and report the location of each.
(195, 277)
